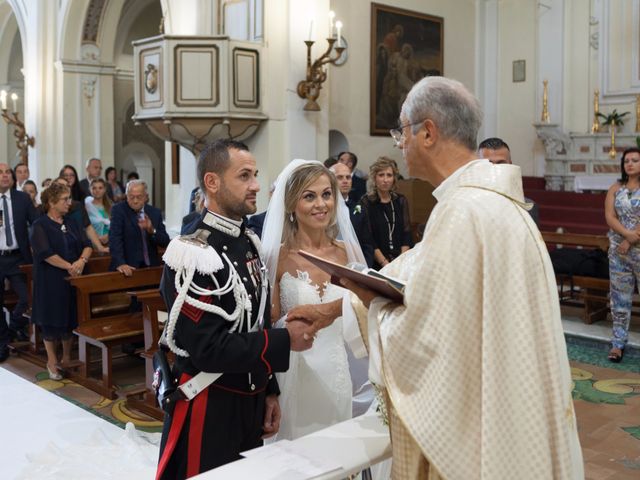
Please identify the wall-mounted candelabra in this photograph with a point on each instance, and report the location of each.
(23, 141)
(310, 87)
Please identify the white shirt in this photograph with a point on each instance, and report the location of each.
(3, 236)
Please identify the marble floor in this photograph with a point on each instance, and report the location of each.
(606, 397)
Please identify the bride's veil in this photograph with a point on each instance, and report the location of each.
(275, 218)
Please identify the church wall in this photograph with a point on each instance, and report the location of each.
(516, 102)
(349, 84)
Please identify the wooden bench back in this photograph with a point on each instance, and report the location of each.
(576, 239)
(98, 262)
(102, 295)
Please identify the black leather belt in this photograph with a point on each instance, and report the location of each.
(8, 252)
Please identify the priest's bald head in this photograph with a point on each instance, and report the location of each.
(439, 125)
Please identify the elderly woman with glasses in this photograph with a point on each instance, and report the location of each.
(60, 249)
(386, 213)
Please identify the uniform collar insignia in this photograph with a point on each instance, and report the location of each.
(223, 224)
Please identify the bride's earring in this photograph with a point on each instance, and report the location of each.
(291, 217)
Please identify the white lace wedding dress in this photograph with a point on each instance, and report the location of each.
(316, 390)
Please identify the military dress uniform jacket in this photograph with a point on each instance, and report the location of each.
(227, 417)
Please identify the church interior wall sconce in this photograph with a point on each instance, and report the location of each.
(309, 88)
(23, 141)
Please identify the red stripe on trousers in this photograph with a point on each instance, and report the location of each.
(196, 428)
(179, 415)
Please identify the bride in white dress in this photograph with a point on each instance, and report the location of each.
(307, 213)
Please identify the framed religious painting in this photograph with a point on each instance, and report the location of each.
(405, 47)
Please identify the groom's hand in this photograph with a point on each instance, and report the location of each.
(298, 337)
(271, 416)
(316, 316)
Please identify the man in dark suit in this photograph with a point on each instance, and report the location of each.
(358, 184)
(16, 213)
(136, 231)
(498, 152)
(94, 170)
(358, 220)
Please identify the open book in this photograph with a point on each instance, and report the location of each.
(384, 285)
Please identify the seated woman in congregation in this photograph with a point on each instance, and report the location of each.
(622, 212)
(306, 213)
(98, 207)
(386, 213)
(60, 249)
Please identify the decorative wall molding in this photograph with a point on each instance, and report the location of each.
(610, 26)
(88, 88)
(92, 21)
(75, 66)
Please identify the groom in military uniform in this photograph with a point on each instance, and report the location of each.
(223, 325)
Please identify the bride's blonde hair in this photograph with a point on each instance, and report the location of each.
(299, 180)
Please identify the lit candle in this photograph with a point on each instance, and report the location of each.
(311, 31)
(14, 99)
(3, 99)
(332, 15)
(339, 27)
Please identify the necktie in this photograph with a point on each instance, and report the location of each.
(145, 247)
(7, 221)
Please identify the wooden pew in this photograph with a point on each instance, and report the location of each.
(34, 351)
(143, 399)
(107, 328)
(594, 292)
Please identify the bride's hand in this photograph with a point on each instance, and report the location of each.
(365, 295)
(298, 337)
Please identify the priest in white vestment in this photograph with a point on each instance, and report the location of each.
(473, 365)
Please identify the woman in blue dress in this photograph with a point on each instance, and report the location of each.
(60, 249)
(622, 212)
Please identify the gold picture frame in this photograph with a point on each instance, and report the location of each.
(405, 47)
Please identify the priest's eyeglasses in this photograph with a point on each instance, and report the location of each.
(398, 133)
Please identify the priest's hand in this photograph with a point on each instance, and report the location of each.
(316, 316)
(298, 337)
(271, 416)
(365, 295)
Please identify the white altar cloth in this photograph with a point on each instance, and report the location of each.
(40, 430)
(593, 182)
(354, 444)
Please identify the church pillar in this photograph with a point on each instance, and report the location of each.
(550, 66)
(290, 132)
(39, 35)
